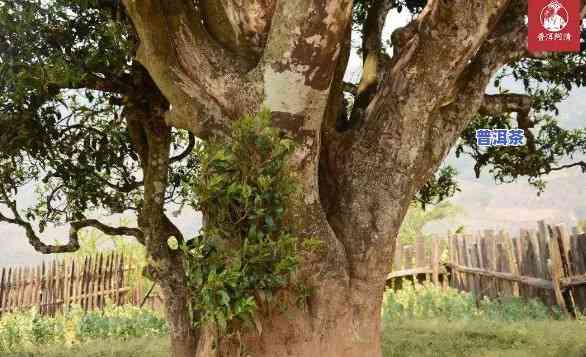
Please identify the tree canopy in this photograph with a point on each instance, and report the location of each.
(68, 71)
(101, 103)
(67, 81)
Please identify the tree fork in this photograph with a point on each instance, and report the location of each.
(370, 173)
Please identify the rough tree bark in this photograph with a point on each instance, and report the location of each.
(151, 138)
(215, 61)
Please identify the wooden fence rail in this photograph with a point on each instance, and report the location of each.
(547, 263)
(91, 282)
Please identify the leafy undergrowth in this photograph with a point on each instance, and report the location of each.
(423, 321)
(29, 331)
(423, 338)
(427, 321)
(427, 301)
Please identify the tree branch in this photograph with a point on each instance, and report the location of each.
(109, 230)
(298, 64)
(73, 244)
(182, 52)
(375, 60)
(498, 104)
(468, 92)
(350, 88)
(34, 240)
(185, 152)
(581, 164)
(373, 28)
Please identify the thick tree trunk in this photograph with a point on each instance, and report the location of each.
(298, 332)
(402, 127)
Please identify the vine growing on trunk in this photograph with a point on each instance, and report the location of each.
(246, 249)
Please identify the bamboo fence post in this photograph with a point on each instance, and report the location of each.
(28, 286)
(435, 260)
(93, 282)
(485, 258)
(53, 289)
(7, 291)
(408, 254)
(120, 296)
(443, 245)
(459, 284)
(472, 278)
(466, 254)
(397, 263)
(557, 271)
(579, 268)
(37, 290)
(566, 246)
(513, 267)
(99, 290)
(564, 243)
(419, 254)
(42, 293)
(2, 289)
(62, 285)
(71, 295)
(479, 263)
(84, 283)
(21, 299)
(452, 277)
(492, 261)
(109, 276)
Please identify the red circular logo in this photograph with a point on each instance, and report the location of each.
(554, 17)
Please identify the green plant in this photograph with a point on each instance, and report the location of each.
(247, 250)
(128, 321)
(428, 301)
(46, 330)
(25, 330)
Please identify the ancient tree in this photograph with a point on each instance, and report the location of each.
(202, 65)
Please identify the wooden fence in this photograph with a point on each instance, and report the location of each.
(91, 282)
(548, 263)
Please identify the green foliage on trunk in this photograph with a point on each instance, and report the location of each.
(246, 249)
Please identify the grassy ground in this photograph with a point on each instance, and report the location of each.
(423, 338)
(134, 347)
(485, 338)
(417, 321)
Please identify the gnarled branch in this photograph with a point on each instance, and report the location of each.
(182, 51)
(109, 230)
(498, 104)
(580, 164)
(185, 152)
(375, 60)
(73, 244)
